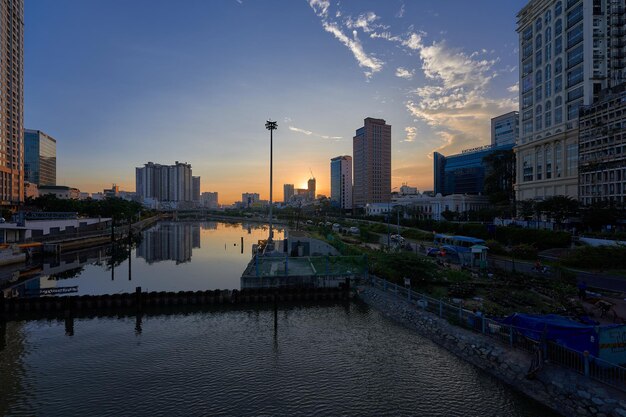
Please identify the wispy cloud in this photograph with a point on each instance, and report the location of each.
(411, 133)
(404, 73)
(514, 88)
(364, 22)
(310, 133)
(400, 13)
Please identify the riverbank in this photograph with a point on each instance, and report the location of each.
(563, 390)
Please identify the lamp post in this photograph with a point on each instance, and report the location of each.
(389, 215)
(271, 126)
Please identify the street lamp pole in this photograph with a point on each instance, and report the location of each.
(271, 126)
(389, 215)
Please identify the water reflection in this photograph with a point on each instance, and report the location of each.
(170, 256)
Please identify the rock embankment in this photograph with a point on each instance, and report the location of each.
(563, 390)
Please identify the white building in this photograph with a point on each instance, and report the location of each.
(569, 51)
(429, 207)
(505, 129)
(60, 191)
(164, 182)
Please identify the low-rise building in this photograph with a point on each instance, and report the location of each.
(60, 191)
(429, 207)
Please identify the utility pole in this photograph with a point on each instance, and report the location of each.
(271, 126)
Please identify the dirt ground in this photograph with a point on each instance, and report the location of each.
(614, 314)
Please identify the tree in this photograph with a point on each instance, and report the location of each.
(526, 209)
(499, 177)
(601, 213)
(558, 208)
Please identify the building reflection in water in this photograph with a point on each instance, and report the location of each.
(169, 241)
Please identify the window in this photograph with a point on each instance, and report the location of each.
(558, 9)
(558, 45)
(527, 84)
(538, 123)
(527, 166)
(558, 66)
(539, 162)
(575, 76)
(538, 24)
(547, 17)
(572, 110)
(548, 118)
(538, 77)
(538, 109)
(558, 159)
(527, 67)
(548, 162)
(574, 36)
(528, 33)
(538, 42)
(548, 89)
(538, 95)
(558, 111)
(527, 114)
(575, 93)
(527, 51)
(575, 15)
(538, 59)
(528, 127)
(575, 56)
(558, 27)
(558, 83)
(548, 72)
(572, 159)
(548, 52)
(548, 35)
(527, 100)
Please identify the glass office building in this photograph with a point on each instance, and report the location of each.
(463, 173)
(40, 158)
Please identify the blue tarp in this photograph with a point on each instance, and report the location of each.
(558, 329)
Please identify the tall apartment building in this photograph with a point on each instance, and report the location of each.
(164, 182)
(210, 200)
(11, 102)
(570, 50)
(372, 163)
(602, 149)
(288, 192)
(311, 188)
(195, 189)
(341, 182)
(505, 129)
(249, 199)
(40, 158)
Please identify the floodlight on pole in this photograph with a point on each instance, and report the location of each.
(271, 126)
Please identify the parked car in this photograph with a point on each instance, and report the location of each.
(434, 252)
(354, 230)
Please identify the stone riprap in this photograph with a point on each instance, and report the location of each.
(563, 390)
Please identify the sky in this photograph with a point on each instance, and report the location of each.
(119, 83)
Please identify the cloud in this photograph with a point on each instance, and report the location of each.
(370, 62)
(400, 13)
(411, 133)
(404, 73)
(364, 22)
(310, 133)
(514, 88)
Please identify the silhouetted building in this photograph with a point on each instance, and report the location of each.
(12, 101)
(372, 163)
(505, 129)
(311, 188)
(288, 192)
(341, 182)
(164, 182)
(40, 158)
(195, 189)
(169, 241)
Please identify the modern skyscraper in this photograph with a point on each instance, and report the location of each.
(164, 182)
(195, 189)
(12, 101)
(505, 129)
(569, 52)
(311, 188)
(288, 192)
(372, 163)
(341, 182)
(602, 149)
(40, 158)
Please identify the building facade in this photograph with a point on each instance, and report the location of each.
(430, 207)
(341, 182)
(372, 163)
(288, 192)
(463, 173)
(602, 149)
(60, 191)
(505, 129)
(195, 189)
(12, 102)
(311, 189)
(209, 200)
(250, 199)
(40, 158)
(158, 182)
(570, 50)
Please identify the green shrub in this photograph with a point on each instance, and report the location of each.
(496, 247)
(524, 251)
(600, 257)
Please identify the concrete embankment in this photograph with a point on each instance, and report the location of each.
(563, 390)
(111, 304)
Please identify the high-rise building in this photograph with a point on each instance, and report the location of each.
(602, 149)
(372, 163)
(249, 199)
(209, 200)
(341, 182)
(12, 101)
(569, 52)
(40, 158)
(288, 192)
(505, 129)
(195, 189)
(311, 188)
(164, 182)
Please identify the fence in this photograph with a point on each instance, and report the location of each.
(581, 362)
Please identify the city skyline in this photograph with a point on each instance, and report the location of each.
(200, 93)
